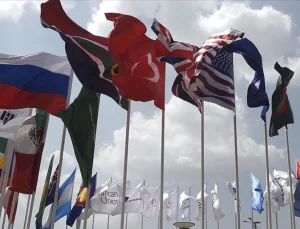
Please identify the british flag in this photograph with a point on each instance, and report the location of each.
(205, 73)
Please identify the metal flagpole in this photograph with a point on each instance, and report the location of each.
(252, 223)
(276, 220)
(87, 205)
(218, 224)
(142, 226)
(202, 167)
(126, 221)
(290, 178)
(107, 221)
(14, 202)
(237, 173)
(268, 178)
(125, 165)
(267, 215)
(177, 215)
(30, 210)
(235, 220)
(162, 164)
(27, 208)
(3, 223)
(206, 208)
(61, 156)
(93, 224)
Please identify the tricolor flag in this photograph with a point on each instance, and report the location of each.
(29, 144)
(88, 54)
(39, 80)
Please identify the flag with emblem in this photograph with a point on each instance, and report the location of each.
(170, 200)
(80, 201)
(151, 196)
(216, 204)
(39, 215)
(199, 208)
(29, 144)
(282, 113)
(257, 195)
(11, 120)
(180, 56)
(185, 204)
(88, 54)
(141, 77)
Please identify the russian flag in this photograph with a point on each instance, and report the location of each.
(38, 80)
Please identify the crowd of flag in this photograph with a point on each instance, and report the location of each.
(125, 66)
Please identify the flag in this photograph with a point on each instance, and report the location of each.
(298, 169)
(8, 205)
(170, 199)
(52, 188)
(282, 113)
(185, 203)
(11, 120)
(218, 214)
(88, 54)
(180, 56)
(275, 194)
(3, 144)
(80, 201)
(39, 80)
(39, 215)
(199, 209)
(232, 189)
(11, 168)
(256, 94)
(29, 145)
(64, 200)
(151, 207)
(141, 77)
(297, 200)
(257, 196)
(81, 118)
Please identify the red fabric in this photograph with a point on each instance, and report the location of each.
(8, 100)
(26, 172)
(8, 207)
(141, 76)
(64, 23)
(298, 169)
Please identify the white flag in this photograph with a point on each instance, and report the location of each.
(282, 179)
(11, 120)
(151, 196)
(218, 214)
(185, 203)
(99, 198)
(134, 198)
(171, 203)
(232, 189)
(199, 208)
(276, 194)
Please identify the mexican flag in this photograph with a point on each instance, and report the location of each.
(29, 145)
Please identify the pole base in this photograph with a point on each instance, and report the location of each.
(184, 225)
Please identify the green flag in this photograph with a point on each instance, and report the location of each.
(39, 215)
(282, 113)
(81, 121)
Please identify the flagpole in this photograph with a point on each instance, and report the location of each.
(235, 220)
(93, 225)
(237, 173)
(206, 207)
(268, 178)
(3, 223)
(252, 218)
(142, 226)
(61, 155)
(30, 210)
(177, 215)
(162, 161)
(27, 208)
(202, 166)
(87, 204)
(126, 221)
(125, 165)
(290, 178)
(276, 218)
(107, 221)
(218, 224)
(267, 215)
(12, 210)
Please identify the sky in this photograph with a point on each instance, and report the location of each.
(270, 25)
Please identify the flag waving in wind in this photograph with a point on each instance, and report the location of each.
(141, 76)
(87, 53)
(218, 214)
(257, 195)
(282, 113)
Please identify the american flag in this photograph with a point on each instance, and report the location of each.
(178, 54)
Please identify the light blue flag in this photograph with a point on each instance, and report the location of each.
(257, 195)
(64, 200)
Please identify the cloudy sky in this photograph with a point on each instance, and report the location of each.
(270, 25)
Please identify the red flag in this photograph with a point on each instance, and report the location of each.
(140, 76)
(298, 169)
(8, 201)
